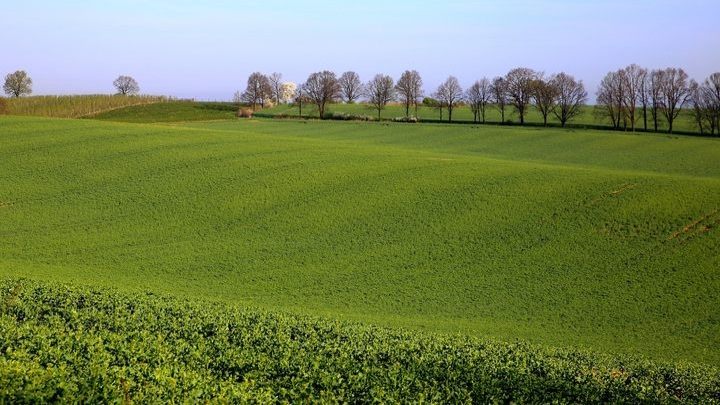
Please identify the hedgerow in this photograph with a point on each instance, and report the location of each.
(65, 343)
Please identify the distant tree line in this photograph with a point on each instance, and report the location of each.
(633, 93)
(623, 97)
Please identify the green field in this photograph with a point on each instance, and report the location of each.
(176, 111)
(566, 238)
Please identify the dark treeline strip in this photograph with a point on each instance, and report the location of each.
(74, 344)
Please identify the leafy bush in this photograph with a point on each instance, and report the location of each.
(70, 344)
(430, 102)
(340, 116)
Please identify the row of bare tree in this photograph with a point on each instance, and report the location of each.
(560, 95)
(629, 94)
(624, 96)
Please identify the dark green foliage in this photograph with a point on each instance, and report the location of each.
(60, 343)
(340, 116)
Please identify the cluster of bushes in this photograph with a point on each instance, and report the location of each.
(406, 119)
(72, 344)
(3, 106)
(341, 116)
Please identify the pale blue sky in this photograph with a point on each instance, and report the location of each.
(206, 49)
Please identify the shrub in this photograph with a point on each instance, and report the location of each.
(3, 106)
(244, 112)
(346, 116)
(411, 119)
(430, 102)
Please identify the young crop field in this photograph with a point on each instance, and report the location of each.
(565, 238)
(75, 106)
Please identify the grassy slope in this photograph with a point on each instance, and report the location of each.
(559, 237)
(173, 111)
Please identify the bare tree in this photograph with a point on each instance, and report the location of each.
(544, 93)
(126, 85)
(645, 97)
(700, 108)
(380, 91)
(674, 93)
(610, 98)
(520, 89)
(655, 90)
(571, 97)
(409, 88)
(300, 97)
(500, 97)
(350, 87)
(449, 94)
(17, 84)
(632, 80)
(478, 97)
(258, 90)
(276, 84)
(322, 88)
(711, 92)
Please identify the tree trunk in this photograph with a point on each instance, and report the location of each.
(645, 118)
(655, 120)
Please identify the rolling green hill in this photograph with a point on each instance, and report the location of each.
(565, 238)
(173, 111)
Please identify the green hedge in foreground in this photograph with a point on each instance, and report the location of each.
(60, 343)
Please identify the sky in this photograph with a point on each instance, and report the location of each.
(206, 49)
